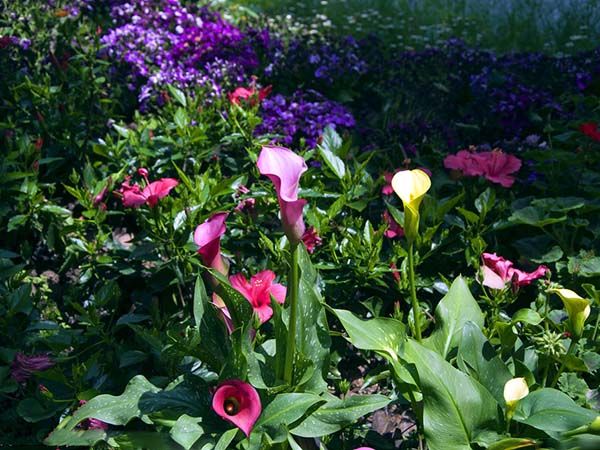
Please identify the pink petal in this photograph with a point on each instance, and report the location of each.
(159, 189)
(278, 291)
(492, 279)
(246, 400)
(207, 237)
(284, 168)
(525, 278)
(239, 283)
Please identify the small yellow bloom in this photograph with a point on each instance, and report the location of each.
(411, 186)
(515, 389)
(578, 310)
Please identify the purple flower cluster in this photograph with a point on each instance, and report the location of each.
(22, 367)
(325, 59)
(164, 42)
(303, 115)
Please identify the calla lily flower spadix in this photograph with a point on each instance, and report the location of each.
(411, 186)
(578, 310)
(239, 403)
(284, 168)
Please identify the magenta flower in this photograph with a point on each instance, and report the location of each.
(311, 239)
(387, 188)
(22, 367)
(394, 228)
(91, 423)
(590, 129)
(242, 93)
(258, 292)
(498, 272)
(239, 403)
(499, 166)
(133, 196)
(284, 168)
(496, 166)
(208, 238)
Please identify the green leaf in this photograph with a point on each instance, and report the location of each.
(178, 95)
(453, 312)
(200, 299)
(238, 306)
(135, 440)
(456, 408)
(312, 330)
(511, 444)
(115, 410)
(33, 410)
(478, 359)
(339, 413)
(83, 438)
(284, 410)
(187, 394)
(328, 149)
(226, 439)
(123, 132)
(528, 316)
(534, 216)
(186, 431)
(550, 410)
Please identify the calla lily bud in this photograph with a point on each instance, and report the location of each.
(578, 310)
(411, 186)
(514, 390)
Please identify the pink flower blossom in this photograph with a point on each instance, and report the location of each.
(258, 292)
(207, 237)
(387, 188)
(91, 423)
(498, 272)
(311, 239)
(134, 196)
(394, 228)
(242, 93)
(22, 367)
(499, 166)
(284, 168)
(496, 166)
(239, 403)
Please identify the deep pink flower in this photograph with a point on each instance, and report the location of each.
(22, 367)
(239, 403)
(91, 423)
(469, 163)
(394, 228)
(387, 188)
(284, 168)
(242, 93)
(134, 196)
(590, 129)
(499, 166)
(498, 272)
(98, 198)
(311, 239)
(258, 292)
(207, 237)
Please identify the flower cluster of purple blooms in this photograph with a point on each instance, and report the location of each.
(164, 42)
(304, 114)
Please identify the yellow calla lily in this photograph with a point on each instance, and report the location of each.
(578, 310)
(411, 186)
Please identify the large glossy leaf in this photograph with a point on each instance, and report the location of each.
(238, 306)
(338, 413)
(328, 149)
(135, 440)
(312, 331)
(383, 335)
(283, 411)
(186, 431)
(477, 358)
(453, 312)
(188, 394)
(116, 410)
(456, 408)
(551, 410)
(76, 437)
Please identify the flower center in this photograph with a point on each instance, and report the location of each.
(231, 406)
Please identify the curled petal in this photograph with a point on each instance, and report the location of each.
(284, 168)
(158, 189)
(207, 237)
(239, 403)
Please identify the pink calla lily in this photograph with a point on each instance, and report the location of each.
(284, 168)
(207, 237)
(239, 403)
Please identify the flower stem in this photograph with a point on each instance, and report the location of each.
(413, 292)
(290, 350)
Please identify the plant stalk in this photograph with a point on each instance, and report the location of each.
(290, 350)
(413, 292)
